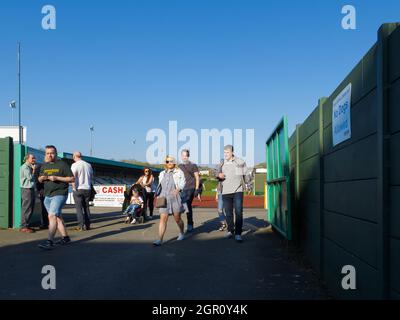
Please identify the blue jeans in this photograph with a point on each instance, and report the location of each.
(131, 210)
(221, 214)
(234, 201)
(55, 204)
(187, 197)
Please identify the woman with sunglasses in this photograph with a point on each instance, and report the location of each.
(146, 182)
(171, 181)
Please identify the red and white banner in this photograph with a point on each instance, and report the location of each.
(109, 196)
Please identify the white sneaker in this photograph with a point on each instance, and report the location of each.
(238, 238)
(133, 221)
(157, 243)
(181, 237)
(228, 235)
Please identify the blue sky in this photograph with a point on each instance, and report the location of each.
(129, 66)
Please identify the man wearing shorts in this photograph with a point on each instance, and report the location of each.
(56, 176)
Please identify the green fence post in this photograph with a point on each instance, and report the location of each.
(297, 187)
(6, 155)
(19, 154)
(321, 103)
(286, 172)
(266, 180)
(383, 135)
(297, 163)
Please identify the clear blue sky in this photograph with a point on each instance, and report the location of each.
(129, 66)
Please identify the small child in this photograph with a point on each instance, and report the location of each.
(135, 204)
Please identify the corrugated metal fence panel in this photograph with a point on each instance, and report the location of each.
(5, 182)
(394, 116)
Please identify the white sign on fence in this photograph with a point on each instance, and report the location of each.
(341, 117)
(109, 196)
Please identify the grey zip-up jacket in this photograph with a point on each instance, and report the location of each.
(236, 172)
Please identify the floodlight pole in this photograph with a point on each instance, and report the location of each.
(91, 140)
(19, 94)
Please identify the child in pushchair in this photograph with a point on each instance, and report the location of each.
(135, 209)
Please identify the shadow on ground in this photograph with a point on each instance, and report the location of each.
(121, 263)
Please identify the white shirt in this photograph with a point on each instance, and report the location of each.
(83, 174)
(146, 180)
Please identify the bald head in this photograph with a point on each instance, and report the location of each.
(77, 156)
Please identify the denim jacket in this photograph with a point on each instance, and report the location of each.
(179, 178)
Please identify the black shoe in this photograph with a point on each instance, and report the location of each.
(63, 241)
(86, 228)
(47, 245)
(43, 227)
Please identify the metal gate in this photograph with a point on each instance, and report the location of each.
(278, 180)
(6, 145)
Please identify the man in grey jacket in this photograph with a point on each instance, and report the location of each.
(232, 174)
(27, 181)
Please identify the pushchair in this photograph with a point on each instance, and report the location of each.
(135, 216)
(138, 213)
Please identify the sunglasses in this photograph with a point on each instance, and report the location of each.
(170, 162)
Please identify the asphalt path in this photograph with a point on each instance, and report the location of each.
(118, 261)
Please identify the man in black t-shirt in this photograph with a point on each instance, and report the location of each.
(191, 189)
(56, 176)
(40, 192)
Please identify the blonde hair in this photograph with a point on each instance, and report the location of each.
(173, 159)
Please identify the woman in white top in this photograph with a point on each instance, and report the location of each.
(146, 182)
(172, 182)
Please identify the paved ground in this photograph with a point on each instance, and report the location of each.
(117, 261)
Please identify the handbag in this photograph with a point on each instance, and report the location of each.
(161, 202)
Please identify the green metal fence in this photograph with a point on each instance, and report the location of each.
(346, 196)
(278, 180)
(19, 153)
(6, 180)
